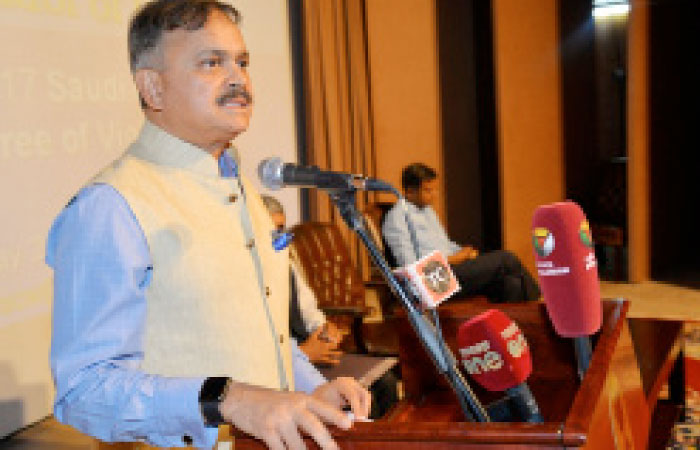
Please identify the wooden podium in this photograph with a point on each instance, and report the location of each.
(607, 410)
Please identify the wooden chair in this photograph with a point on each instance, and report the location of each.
(374, 215)
(340, 291)
(608, 218)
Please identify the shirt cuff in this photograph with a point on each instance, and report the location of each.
(306, 376)
(315, 321)
(178, 414)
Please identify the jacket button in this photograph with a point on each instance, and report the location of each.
(232, 198)
(281, 339)
(267, 291)
(250, 244)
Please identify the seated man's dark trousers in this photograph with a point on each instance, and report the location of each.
(499, 275)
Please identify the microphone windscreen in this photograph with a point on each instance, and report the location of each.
(270, 173)
(493, 351)
(567, 268)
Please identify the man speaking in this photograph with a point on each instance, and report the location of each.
(170, 304)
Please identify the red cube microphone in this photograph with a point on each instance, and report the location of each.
(494, 352)
(568, 275)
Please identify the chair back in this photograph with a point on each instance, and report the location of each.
(325, 259)
(374, 215)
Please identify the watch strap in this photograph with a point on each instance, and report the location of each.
(211, 395)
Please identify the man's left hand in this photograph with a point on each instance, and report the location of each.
(464, 254)
(332, 333)
(471, 252)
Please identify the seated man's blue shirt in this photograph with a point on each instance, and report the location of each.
(427, 233)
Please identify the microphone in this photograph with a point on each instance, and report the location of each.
(430, 278)
(566, 268)
(274, 174)
(342, 188)
(495, 354)
(430, 281)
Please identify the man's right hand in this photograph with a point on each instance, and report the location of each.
(278, 417)
(321, 350)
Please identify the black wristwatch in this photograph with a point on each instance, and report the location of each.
(210, 397)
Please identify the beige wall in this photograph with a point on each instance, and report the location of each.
(272, 130)
(406, 103)
(404, 86)
(67, 108)
(529, 115)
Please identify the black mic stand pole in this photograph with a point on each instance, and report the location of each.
(442, 357)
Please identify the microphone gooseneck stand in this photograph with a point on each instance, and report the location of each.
(584, 352)
(432, 341)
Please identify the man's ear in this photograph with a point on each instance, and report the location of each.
(150, 86)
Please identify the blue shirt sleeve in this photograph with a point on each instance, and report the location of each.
(101, 268)
(446, 245)
(306, 376)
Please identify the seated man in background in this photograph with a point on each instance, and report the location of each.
(318, 338)
(415, 231)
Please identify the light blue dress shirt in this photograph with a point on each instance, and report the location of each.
(102, 267)
(428, 233)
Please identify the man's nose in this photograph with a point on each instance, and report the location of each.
(236, 75)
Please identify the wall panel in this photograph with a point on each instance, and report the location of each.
(528, 104)
(404, 87)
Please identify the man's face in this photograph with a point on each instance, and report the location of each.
(202, 84)
(425, 195)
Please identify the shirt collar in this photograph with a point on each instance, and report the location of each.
(160, 147)
(416, 208)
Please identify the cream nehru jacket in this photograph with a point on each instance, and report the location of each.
(210, 311)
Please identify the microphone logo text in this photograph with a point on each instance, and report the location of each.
(517, 346)
(590, 261)
(491, 360)
(478, 365)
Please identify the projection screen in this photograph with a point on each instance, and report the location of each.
(67, 108)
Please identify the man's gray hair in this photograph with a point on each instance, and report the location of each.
(158, 16)
(272, 204)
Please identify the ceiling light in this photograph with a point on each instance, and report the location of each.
(610, 8)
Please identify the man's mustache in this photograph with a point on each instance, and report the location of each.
(234, 92)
